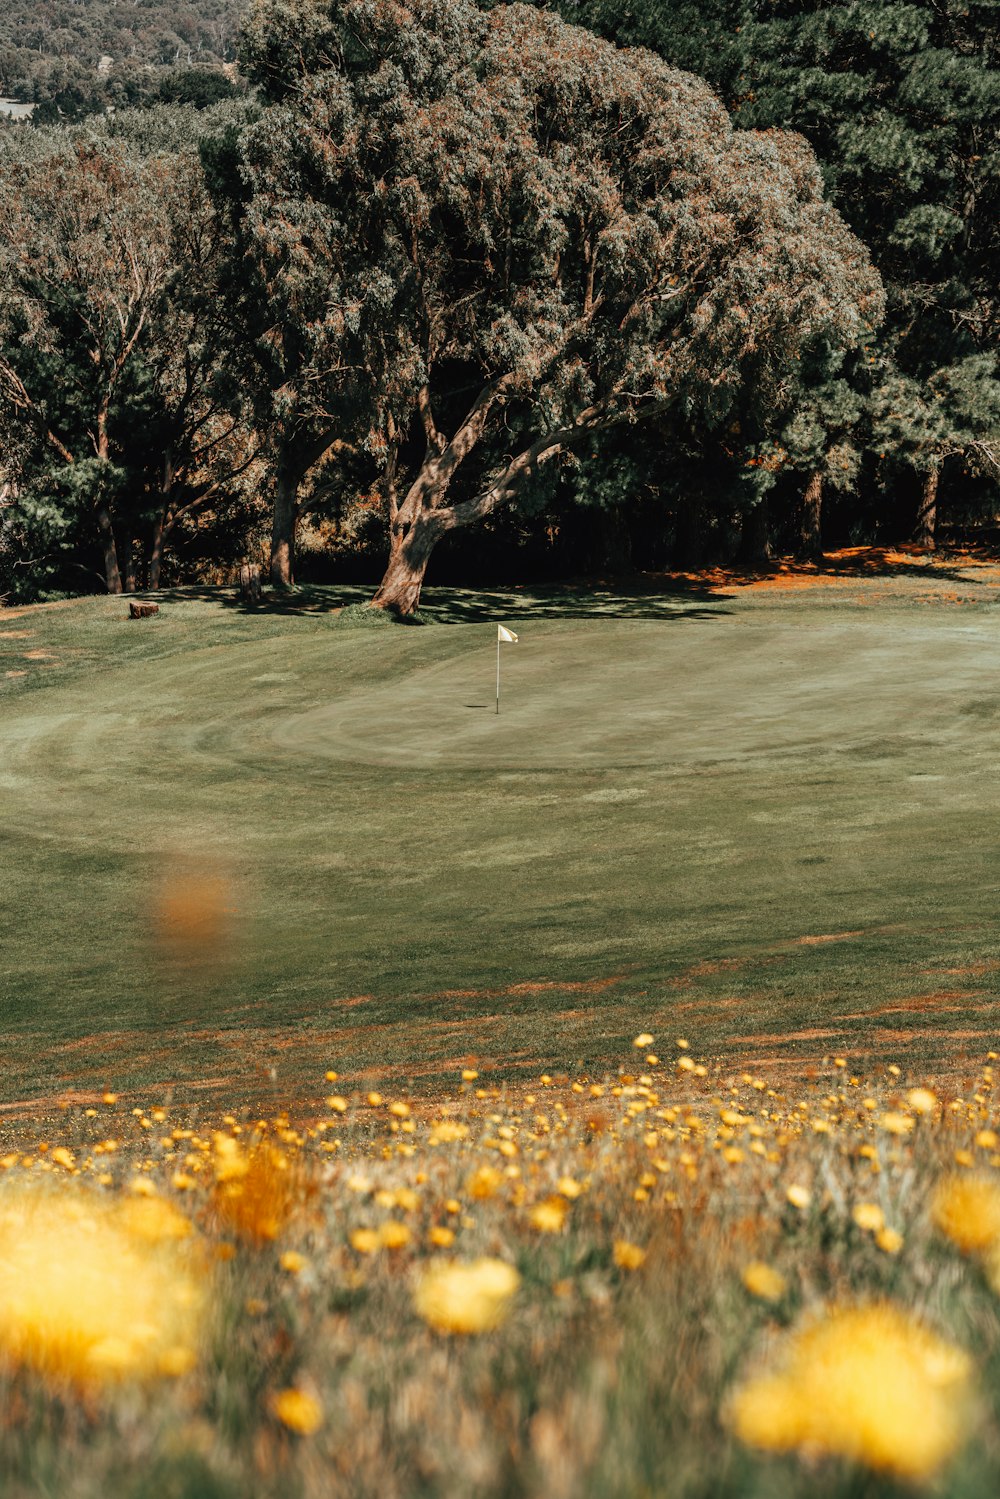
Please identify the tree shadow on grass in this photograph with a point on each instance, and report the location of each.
(634, 599)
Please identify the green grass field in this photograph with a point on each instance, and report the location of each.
(764, 819)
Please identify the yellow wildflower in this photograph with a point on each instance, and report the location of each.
(84, 1298)
(897, 1124)
(364, 1240)
(799, 1197)
(298, 1411)
(256, 1193)
(549, 1216)
(628, 1256)
(293, 1262)
(889, 1241)
(394, 1235)
(441, 1238)
(967, 1210)
(153, 1219)
(643, 1041)
(764, 1282)
(470, 1298)
(485, 1182)
(865, 1383)
(869, 1216)
(922, 1100)
(569, 1187)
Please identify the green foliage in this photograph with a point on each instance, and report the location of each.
(117, 412)
(537, 239)
(901, 103)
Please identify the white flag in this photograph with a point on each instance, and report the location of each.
(507, 635)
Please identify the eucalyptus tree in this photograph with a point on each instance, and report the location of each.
(115, 418)
(502, 237)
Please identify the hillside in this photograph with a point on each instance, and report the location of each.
(91, 51)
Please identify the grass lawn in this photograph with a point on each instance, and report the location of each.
(240, 847)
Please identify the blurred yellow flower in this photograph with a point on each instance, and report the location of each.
(441, 1238)
(897, 1124)
(86, 1299)
(799, 1197)
(967, 1210)
(644, 1040)
(865, 1383)
(394, 1235)
(293, 1262)
(549, 1216)
(298, 1411)
(153, 1219)
(889, 1241)
(569, 1187)
(63, 1157)
(364, 1240)
(469, 1298)
(764, 1282)
(869, 1216)
(469, 1074)
(922, 1100)
(485, 1182)
(255, 1193)
(628, 1256)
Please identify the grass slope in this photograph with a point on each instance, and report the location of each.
(763, 818)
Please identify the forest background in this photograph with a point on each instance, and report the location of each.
(160, 358)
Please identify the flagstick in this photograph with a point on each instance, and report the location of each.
(498, 671)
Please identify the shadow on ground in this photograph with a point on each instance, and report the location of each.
(664, 599)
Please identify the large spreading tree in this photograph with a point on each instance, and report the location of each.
(502, 236)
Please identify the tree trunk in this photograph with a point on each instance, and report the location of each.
(129, 579)
(112, 575)
(755, 547)
(156, 551)
(410, 553)
(811, 536)
(925, 536)
(284, 522)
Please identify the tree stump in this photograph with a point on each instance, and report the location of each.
(250, 583)
(142, 611)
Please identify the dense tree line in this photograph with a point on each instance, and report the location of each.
(473, 271)
(901, 102)
(72, 58)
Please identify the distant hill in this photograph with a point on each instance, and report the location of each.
(76, 56)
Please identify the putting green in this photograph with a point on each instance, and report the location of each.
(721, 690)
(239, 848)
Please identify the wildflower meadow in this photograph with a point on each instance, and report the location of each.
(670, 1280)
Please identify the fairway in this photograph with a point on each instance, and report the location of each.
(760, 818)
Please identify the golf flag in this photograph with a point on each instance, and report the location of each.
(504, 637)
